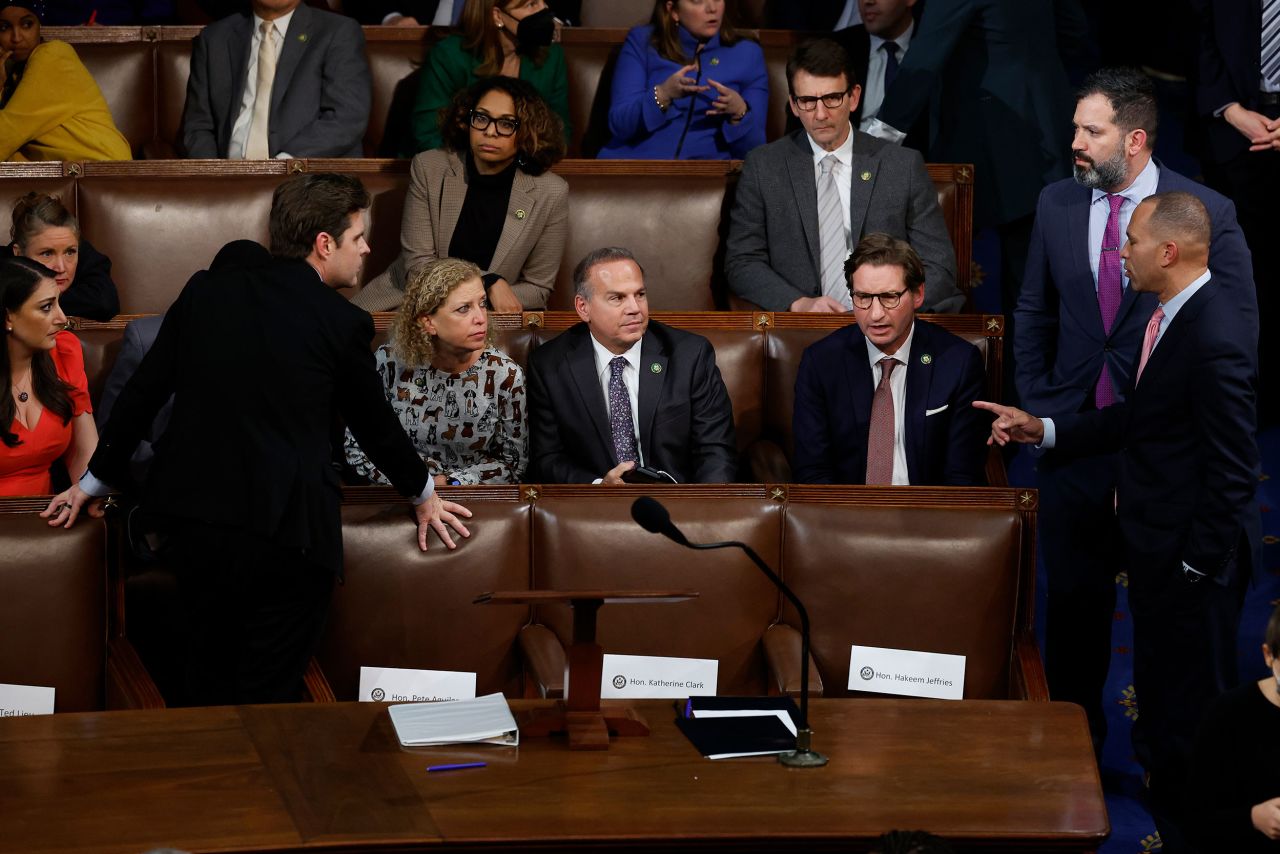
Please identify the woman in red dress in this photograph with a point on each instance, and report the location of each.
(45, 412)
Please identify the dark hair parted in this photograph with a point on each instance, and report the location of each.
(882, 250)
(539, 138)
(19, 278)
(35, 212)
(593, 259)
(307, 205)
(1181, 217)
(820, 58)
(1132, 95)
(666, 32)
(481, 37)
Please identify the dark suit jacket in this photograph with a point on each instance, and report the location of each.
(1229, 62)
(945, 435)
(319, 100)
(1188, 462)
(260, 362)
(1059, 346)
(685, 417)
(773, 247)
(989, 75)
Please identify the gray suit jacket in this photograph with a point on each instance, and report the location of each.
(528, 251)
(773, 247)
(319, 100)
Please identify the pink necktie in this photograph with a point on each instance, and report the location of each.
(1149, 340)
(1110, 292)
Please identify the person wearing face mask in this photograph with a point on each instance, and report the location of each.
(1234, 794)
(50, 106)
(688, 87)
(45, 231)
(511, 38)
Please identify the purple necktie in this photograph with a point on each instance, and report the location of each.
(1110, 290)
(623, 428)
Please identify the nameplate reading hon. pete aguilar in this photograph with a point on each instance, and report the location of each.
(906, 672)
(20, 700)
(400, 685)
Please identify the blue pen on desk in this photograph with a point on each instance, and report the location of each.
(457, 767)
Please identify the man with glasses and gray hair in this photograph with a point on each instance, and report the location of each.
(804, 200)
(889, 401)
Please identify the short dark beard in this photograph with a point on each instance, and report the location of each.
(1106, 175)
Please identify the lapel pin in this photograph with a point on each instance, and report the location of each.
(715, 60)
(520, 213)
(302, 37)
(866, 176)
(655, 368)
(926, 359)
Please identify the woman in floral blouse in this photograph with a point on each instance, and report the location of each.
(461, 401)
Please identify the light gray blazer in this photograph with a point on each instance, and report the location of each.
(773, 247)
(528, 252)
(319, 99)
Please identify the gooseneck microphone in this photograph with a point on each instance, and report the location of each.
(653, 517)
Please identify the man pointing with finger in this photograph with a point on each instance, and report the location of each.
(1188, 469)
(260, 362)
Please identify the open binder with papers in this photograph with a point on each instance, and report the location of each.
(484, 720)
(730, 727)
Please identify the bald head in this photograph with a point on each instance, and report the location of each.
(1168, 244)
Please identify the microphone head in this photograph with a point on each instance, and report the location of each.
(650, 515)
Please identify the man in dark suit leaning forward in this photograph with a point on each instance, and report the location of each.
(618, 390)
(1188, 468)
(889, 400)
(260, 361)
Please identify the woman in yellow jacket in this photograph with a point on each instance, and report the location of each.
(50, 108)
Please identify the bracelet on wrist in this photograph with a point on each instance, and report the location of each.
(658, 101)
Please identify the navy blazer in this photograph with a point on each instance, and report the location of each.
(1187, 437)
(686, 419)
(945, 435)
(319, 100)
(1229, 64)
(1059, 345)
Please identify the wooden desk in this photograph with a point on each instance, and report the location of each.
(989, 775)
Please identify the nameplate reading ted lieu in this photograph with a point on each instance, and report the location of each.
(906, 672)
(401, 685)
(649, 677)
(21, 700)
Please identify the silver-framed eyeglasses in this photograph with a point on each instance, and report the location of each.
(503, 126)
(809, 103)
(889, 300)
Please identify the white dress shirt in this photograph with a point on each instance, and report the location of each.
(843, 173)
(630, 378)
(878, 61)
(851, 15)
(240, 130)
(1144, 185)
(897, 385)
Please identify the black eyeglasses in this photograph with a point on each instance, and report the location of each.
(808, 103)
(889, 300)
(504, 127)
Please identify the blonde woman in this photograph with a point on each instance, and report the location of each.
(461, 401)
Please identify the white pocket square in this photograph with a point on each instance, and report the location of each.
(929, 412)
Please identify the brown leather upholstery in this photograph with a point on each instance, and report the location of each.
(400, 607)
(909, 575)
(616, 13)
(173, 66)
(18, 179)
(125, 74)
(581, 542)
(590, 63)
(53, 607)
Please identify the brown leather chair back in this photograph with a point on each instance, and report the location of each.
(401, 607)
(616, 13)
(17, 181)
(583, 543)
(53, 586)
(158, 230)
(395, 57)
(125, 74)
(590, 62)
(906, 575)
(173, 66)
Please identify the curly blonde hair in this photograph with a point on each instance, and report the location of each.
(424, 293)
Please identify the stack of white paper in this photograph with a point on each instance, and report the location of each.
(484, 720)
